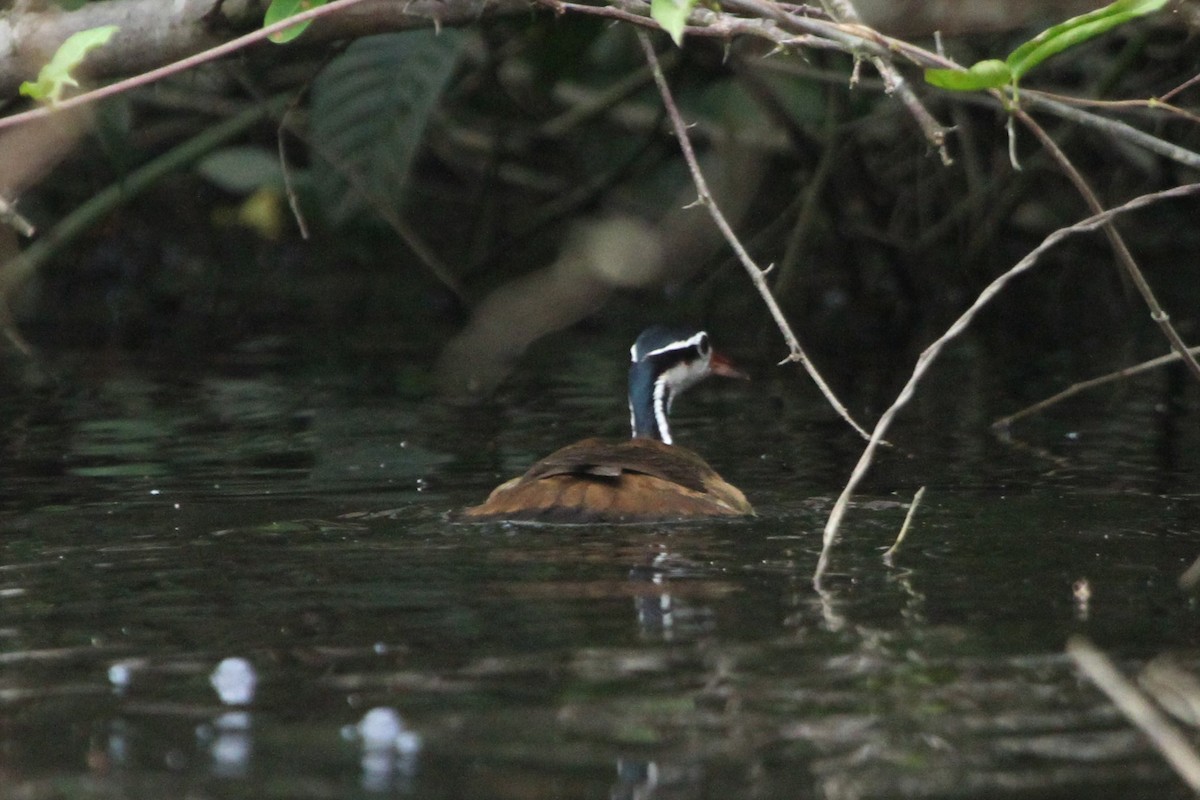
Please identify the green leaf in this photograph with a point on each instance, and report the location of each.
(672, 15)
(370, 108)
(242, 169)
(1059, 37)
(280, 10)
(56, 76)
(989, 74)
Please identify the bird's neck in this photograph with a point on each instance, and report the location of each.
(650, 398)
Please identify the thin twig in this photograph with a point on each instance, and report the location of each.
(925, 360)
(935, 132)
(1152, 104)
(10, 216)
(1185, 85)
(1166, 738)
(757, 275)
(388, 212)
(908, 518)
(716, 26)
(788, 268)
(288, 187)
(1117, 243)
(857, 40)
(1128, 372)
(600, 103)
(1115, 128)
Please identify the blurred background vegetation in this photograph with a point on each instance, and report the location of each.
(431, 168)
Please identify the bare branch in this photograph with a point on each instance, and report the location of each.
(1076, 388)
(757, 274)
(1166, 738)
(1119, 247)
(925, 360)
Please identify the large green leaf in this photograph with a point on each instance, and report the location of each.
(1059, 37)
(370, 109)
(280, 10)
(56, 76)
(992, 74)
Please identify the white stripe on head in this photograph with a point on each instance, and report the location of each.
(681, 344)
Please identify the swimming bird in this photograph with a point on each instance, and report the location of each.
(647, 478)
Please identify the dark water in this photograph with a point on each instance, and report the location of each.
(155, 522)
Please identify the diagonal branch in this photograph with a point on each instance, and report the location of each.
(1004, 423)
(1157, 313)
(757, 274)
(925, 360)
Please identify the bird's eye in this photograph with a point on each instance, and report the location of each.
(703, 344)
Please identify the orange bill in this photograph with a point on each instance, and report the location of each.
(721, 365)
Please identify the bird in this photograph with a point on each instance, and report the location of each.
(646, 478)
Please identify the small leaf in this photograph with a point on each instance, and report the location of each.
(56, 76)
(989, 74)
(280, 10)
(1079, 29)
(672, 15)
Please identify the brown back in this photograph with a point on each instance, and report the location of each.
(601, 458)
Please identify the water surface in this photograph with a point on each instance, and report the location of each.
(157, 521)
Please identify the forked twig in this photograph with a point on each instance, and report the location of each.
(933, 350)
(1165, 737)
(757, 274)
(1082, 386)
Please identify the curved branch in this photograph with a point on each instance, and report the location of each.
(929, 354)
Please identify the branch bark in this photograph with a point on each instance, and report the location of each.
(154, 32)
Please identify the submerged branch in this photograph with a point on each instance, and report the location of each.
(908, 518)
(1172, 744)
